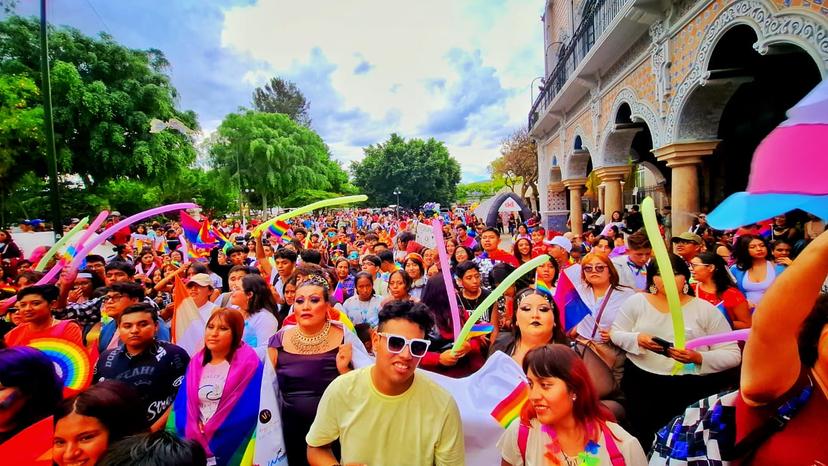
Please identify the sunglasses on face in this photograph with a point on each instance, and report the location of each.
(396, 344)
(594, 268)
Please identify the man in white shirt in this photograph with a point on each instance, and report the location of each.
(632, 267)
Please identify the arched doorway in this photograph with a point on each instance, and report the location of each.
(770, 84)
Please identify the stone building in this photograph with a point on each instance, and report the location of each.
(666, 98)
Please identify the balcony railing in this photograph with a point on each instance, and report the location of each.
(597, 17)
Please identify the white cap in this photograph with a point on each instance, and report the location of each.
(560, 241)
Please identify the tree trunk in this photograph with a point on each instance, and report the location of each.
(264, 203)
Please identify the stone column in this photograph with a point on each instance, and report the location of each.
(576, 211)
(613, 194)
(684, 158)
(601, 197)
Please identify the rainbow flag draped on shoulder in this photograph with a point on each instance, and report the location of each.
(230, 436)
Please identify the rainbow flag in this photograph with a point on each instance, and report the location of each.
(542, 286)
(190, 226)
(223, 240)
(481, 329)
(278, 228)
(569, 302)
(72, 359)
(230, 435)
(509, 408)
(205, 234)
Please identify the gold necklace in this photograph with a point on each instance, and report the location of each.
(310, 344)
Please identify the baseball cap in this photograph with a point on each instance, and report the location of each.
(687, 236)
(560, 241)
(201, 279)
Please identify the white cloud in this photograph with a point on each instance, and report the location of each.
(373, 67)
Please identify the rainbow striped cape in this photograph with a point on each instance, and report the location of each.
(230, 435)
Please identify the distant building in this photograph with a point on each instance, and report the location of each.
(666, 98)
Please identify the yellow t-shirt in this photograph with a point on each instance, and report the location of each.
(421, 426)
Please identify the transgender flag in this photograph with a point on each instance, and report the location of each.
(569, 302)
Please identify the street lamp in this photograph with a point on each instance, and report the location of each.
(247, 192)
(397, 193)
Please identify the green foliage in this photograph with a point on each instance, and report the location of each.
(104, 96)
(479, 190)
(282, 96)
(423, 170)
(307, 196)
(275, 156)
(21, 128)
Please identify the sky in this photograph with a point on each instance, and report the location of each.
(456, 70)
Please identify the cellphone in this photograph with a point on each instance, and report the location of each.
(665, 345)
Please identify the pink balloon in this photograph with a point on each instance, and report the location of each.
(445, 268)
(126, 222)
(727, 337)
(93, 227)
(59, 266)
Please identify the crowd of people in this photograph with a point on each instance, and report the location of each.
(347, 305)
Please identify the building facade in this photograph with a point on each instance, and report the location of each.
(666, 98)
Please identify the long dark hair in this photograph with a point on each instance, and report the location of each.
(261, 297)
(558, 335)
(518, 255)
(435, 298)
(679, 268)
(560, 362)
(468, 251)
(741, 251)
(113, 403)
(235, 321)
(721, 277)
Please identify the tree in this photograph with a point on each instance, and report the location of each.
(21, 129)
(423, 170)
(104, 96)
(282, 96)
(273, 155)
(479, 190)
(518, 162)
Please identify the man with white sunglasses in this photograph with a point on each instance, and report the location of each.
(387, 413)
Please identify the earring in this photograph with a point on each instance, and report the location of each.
(653, 289)
(574, 397)
(686, 288)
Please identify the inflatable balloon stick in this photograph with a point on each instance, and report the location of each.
(93, 227)
(496, 293)
(309, 208)
(106, 234)
(445, 269)
(719, 338)
(54, 249)
(665, 269)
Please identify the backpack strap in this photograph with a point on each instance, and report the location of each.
(747, 447)
(523, 438)
(616, 458)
